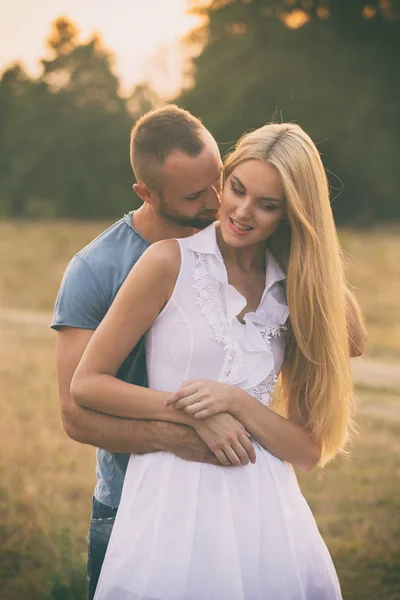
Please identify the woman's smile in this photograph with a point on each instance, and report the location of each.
(239, 228)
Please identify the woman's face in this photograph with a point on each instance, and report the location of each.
(252, 205)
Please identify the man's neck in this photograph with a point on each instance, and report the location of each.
(154, 228)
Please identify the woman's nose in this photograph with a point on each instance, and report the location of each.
(243, 210)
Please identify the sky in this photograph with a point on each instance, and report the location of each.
(142, 34)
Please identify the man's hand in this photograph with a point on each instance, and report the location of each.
(202, 398)
(112, 433)
(228, 439)
(126, 435)
(184, 442)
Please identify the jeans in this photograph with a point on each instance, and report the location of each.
(101, 524)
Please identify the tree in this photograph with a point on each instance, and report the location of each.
(20, 137)
(328, 65)
(64, 137)
(142, 100)
(90, 123)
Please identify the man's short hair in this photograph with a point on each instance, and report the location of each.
(156, 134)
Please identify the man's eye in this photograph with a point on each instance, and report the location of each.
(193, 196)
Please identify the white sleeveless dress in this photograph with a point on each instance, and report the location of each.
(192, 531)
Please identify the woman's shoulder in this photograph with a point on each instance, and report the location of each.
(164, 251)
(156, 270)
(162, 259)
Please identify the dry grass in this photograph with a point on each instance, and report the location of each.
(33, 257)
(373, 270)
(357, 502)
(47, 482)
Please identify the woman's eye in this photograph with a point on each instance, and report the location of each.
(237, 190)
(269, 208)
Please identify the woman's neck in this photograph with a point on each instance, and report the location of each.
(249, 258)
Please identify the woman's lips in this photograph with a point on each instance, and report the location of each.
(233, 225)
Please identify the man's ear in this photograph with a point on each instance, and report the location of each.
(145, 193)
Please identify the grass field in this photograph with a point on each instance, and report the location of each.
(46, 480)
(33, 257)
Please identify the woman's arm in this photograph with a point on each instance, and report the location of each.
(285, 438)
(143, 295)
(138, 303)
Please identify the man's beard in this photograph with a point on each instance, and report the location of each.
(197, 222)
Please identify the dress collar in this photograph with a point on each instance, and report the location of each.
(205, 242)
(249, 359)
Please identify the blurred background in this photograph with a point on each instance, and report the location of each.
(74, 77)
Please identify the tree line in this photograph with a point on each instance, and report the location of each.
(330, 65)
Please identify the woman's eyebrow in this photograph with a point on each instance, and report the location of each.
(268, 199)
(263, 198)
(237, 180)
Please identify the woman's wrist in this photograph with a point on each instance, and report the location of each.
(237, 402)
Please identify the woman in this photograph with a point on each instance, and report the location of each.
(216, 311)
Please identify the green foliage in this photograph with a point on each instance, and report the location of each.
(329, 65)
(64, 137)
(336, 75)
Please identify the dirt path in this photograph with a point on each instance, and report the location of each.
(367, 372)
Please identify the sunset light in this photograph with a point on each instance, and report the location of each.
(143, 35)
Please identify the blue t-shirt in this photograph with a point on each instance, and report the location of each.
(90, 284)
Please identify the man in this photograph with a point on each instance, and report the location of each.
(178, 171)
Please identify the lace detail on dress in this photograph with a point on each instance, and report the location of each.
(211, 307)
(271, 331)
(262, 391)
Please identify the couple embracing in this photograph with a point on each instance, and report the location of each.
(173, 328)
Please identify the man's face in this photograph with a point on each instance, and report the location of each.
(192, 187)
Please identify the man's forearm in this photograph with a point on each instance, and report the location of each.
(117, 434)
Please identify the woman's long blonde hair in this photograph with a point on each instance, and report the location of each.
(315, 380)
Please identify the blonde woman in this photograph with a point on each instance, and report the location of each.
(258, 294)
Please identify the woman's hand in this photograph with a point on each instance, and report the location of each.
(227, 439)
(203, 398)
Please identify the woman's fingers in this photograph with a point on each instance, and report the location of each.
(248, 446)
(203, 414)
(232, 456)
(190, 400)
(181, 395)
(171, 399)
(241, 452)
(220, 454)
(201, 406)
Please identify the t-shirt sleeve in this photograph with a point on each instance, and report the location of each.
(81, 301)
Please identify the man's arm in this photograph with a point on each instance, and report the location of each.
(355, 325)
(112, 433)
